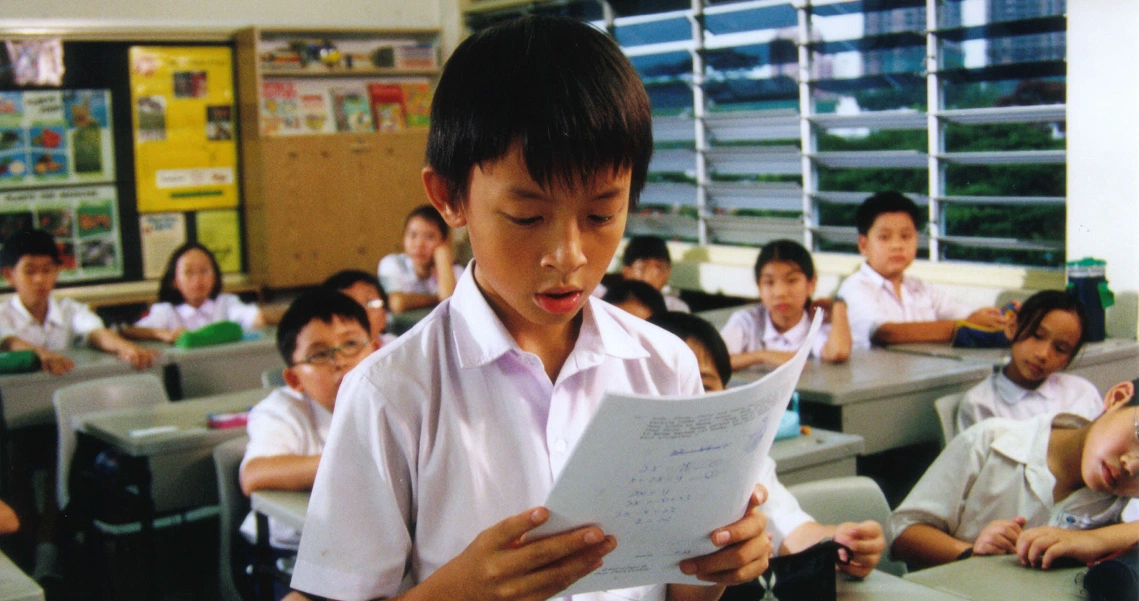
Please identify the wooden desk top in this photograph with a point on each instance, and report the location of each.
(172, 427)
(875, 374)
(288, 507)
(1001, 578)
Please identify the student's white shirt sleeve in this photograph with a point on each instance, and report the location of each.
(161, 317)
(781, 508)
(273, 431)
(739, 331)
(946, 305)
(391, 275)
(938, 499)
(976, 404)
(243, 313)
(81, 320)
(861, 309)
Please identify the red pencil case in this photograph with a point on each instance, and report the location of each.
(227, 420)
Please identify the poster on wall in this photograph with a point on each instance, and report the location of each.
(49, 138)
(219, 231)
(161, 234)
(183, 117)
(84, 221)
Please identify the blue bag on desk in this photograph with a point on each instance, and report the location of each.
(789, 424)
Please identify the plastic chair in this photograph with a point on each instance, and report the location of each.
(947, 414)
(272, 378)
(234, 508)
(849, 499)
(119, 392)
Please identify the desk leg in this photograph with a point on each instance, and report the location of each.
(146, 523)
(263, 567)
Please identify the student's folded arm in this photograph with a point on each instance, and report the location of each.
(279, 472)
(913, 331)
(9, 523)
(50, 361)
(140, 333)
(445, 269)
(773, 358)
(839, 341)
(408, 301)
(923, 546)
(107, 340)
(864, 539)
(1042, 546)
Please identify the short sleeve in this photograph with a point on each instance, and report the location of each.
(158, 317)
(781, 508)
(861, 310)
(946, 305)
(973, 405)
(82, 320)
(738, 331)
(243, 313)
(272, 431)
(391, 275)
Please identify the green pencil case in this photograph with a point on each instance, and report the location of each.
(215, 333)
(19, 362)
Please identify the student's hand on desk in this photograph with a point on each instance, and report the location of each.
(989, 317)
(867, 543)
(54, 363)
(745, 547)
(169, 336)
(1040, 547)
(502, 564)
(999, 537)
(138, 357)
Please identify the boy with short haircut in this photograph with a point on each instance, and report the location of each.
(33, 320)
(646, 259)
(1045, 488)
(365, 289)
(321, 336)
(446, 441)
(885, 306)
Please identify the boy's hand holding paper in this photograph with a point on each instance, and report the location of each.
(664, 476)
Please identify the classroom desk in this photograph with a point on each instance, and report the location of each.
(1001, 578)
(816, 456)
(15, 585)
(180, 459)
(222, 368)
(886, 398)
(1104, 363)
(286, 506)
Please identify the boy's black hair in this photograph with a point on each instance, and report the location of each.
(428, 213)
(318, 303)
(167, 292)
(645, 247)
(1039, 305)
(346, 278)
(686, 325)
(28, 242)
(624, 290)
(887, 202)
(1134, 400)
(559, 88)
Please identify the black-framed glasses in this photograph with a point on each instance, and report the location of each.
(327, 356)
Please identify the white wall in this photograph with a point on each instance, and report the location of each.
(1103, 147)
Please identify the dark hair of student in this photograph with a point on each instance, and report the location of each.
(346, 278)
(167, 292)
(887, 202)
(557, 87)
(645, 247)
(789, 251)
(1134, 400)
(624, 290)
(1036, 307)
(28, 242)
(688, 326)
(318, 303)
(429, 214)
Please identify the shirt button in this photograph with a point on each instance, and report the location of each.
(560, 445)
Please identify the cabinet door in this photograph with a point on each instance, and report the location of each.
(388, 167)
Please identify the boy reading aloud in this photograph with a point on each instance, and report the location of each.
(886, 306)
(445, 442)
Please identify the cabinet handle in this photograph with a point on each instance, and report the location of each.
(361, 147)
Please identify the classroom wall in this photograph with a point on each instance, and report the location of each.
(1103, 147)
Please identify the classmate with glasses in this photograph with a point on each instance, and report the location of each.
(322, 335)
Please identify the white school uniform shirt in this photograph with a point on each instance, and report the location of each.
(997, 470)
(751, 329)
(284, 423)
(397, 274)
(453, 428)
(871, 302)
(998, 396)
(226, 307)
(67, 323)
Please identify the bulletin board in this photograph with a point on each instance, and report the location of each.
(87, 191)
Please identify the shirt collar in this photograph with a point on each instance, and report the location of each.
(1010, 392)
(770, 334)
(54, 311)
(481, 338)
(186, 311)
(1029, 439)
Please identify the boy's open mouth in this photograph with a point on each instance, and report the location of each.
(559, 301)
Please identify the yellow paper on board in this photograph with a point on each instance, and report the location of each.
(219, 231)
(182, 108)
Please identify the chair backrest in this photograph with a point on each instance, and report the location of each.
(947, 414)
(272, 378)
(234, 506)
(849, 499)
(118, 392)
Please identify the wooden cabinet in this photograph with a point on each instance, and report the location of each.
(320, 202)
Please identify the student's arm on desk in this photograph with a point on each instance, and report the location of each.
(108, 341)
(159, 334)
(913, 331)
(864, 539)
(9, 523)
(444, 257)
(279, 472)
(50, 361)
(750, 358)
(839, 341)
(1042, 546)
(409, 301)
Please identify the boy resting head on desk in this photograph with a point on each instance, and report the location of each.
(792, 529)
(321, 336)
(1050, 487)
(33, 320)
(446, 442)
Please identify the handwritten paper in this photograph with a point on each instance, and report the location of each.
(661, 474)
